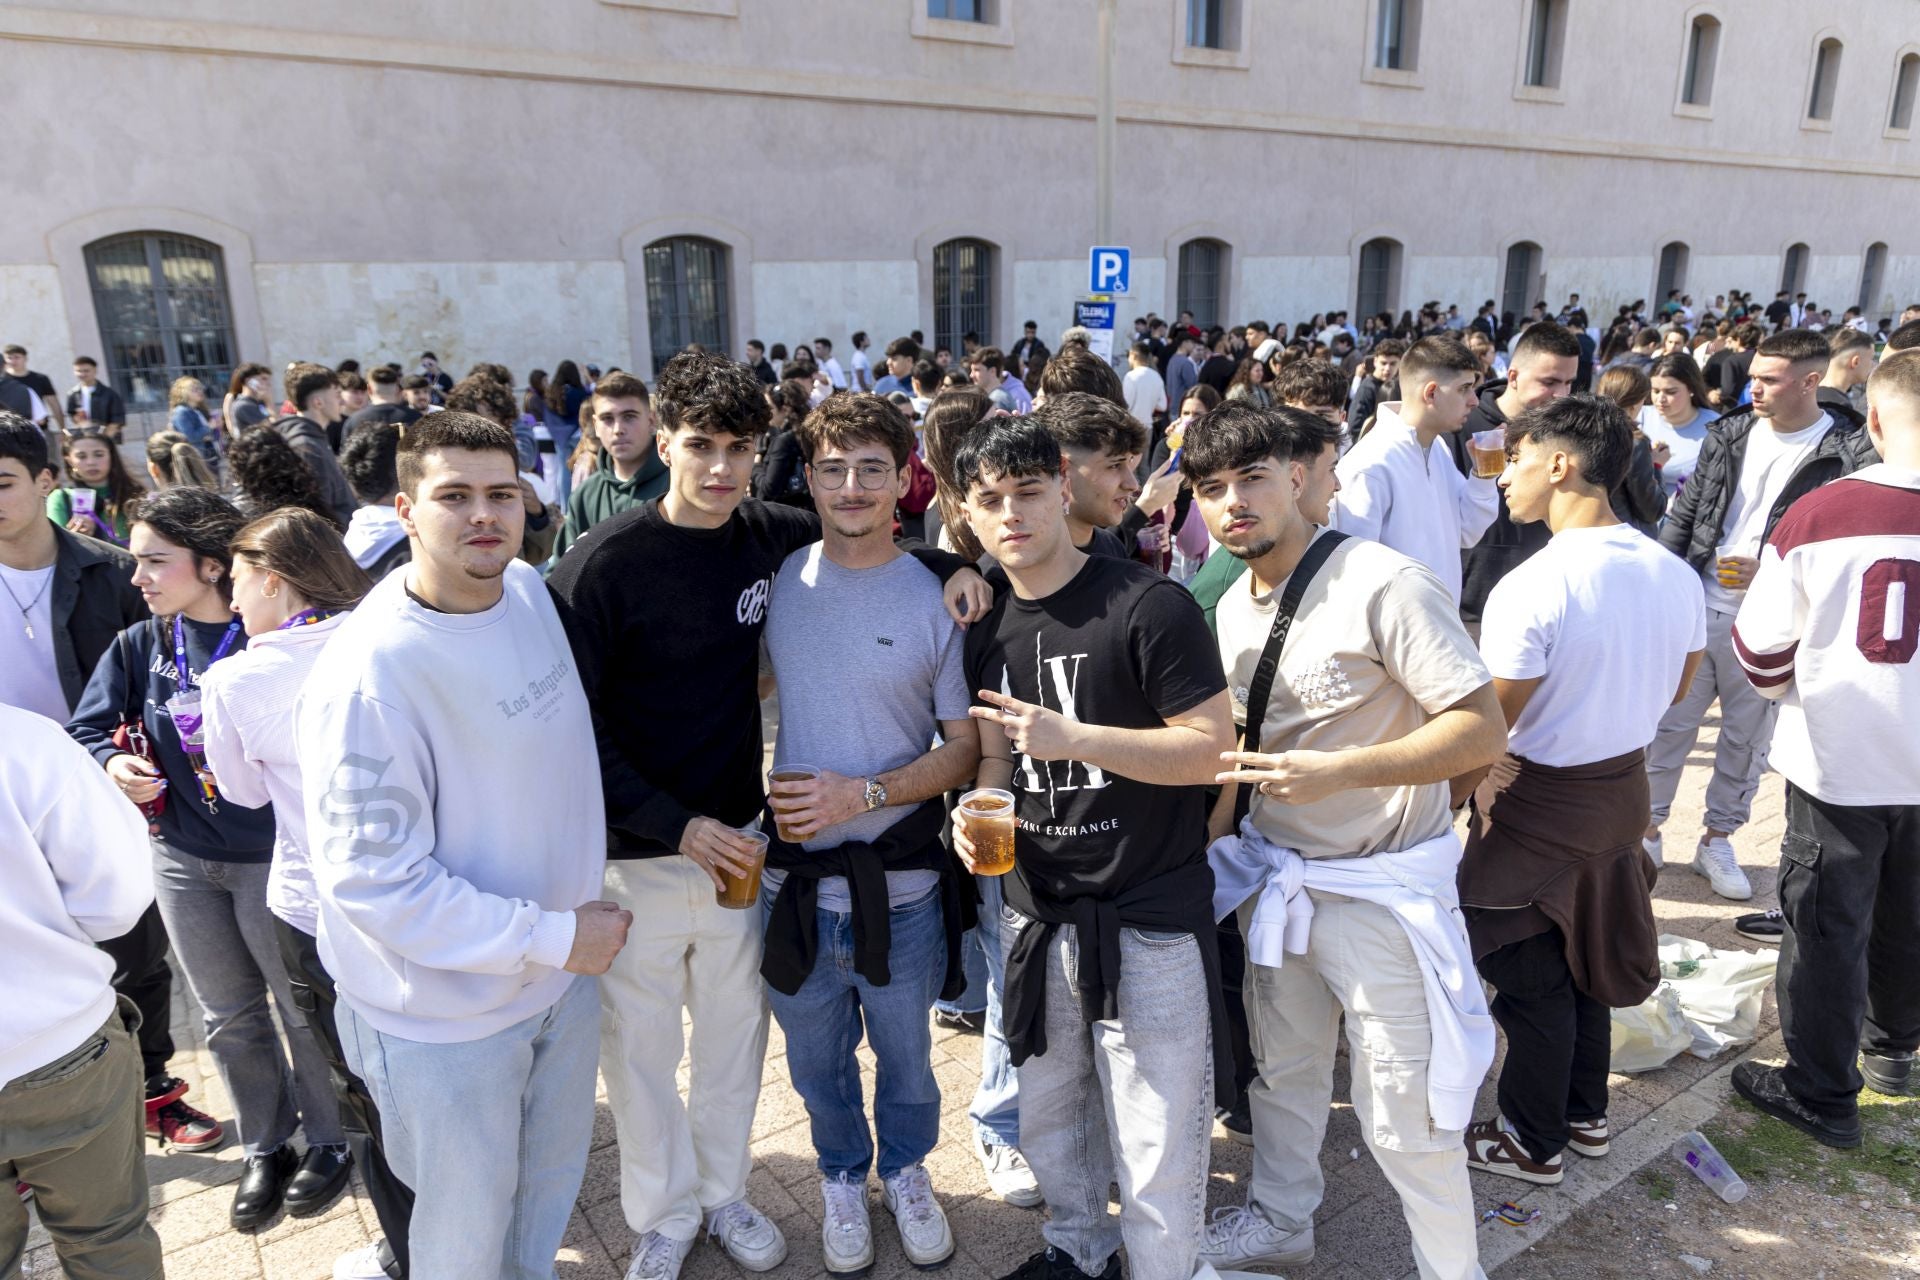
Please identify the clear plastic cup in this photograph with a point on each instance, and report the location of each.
(1488, 452)
(1710, 1166)
(787, 773)
(741, 890)
(989, 817)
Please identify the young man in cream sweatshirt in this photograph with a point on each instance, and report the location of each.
(454, 913)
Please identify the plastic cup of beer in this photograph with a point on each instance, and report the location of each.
(1488, 450)
(988, 814)
(787, 773)
(740, 890)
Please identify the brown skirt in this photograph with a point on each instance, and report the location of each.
(1561, 847)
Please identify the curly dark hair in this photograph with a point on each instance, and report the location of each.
(485, 395)
(270, 475)
(710, 392)
(199, 520)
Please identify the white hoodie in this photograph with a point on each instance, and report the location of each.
(1416, 502)
(447, 874)
(78, 870)
(373, 531)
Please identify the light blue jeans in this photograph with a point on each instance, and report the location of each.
(1127, 1101)
(491, 1134)
(973, 963)
(996, 1101)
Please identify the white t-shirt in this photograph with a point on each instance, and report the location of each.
(835, 374)
(1683, 444)
(1146, 394)
(1831, 627)
(1771, 459)
(1412, 499)
(1605, 619)
(29, 676)
(862, 366)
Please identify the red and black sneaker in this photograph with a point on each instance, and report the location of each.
(175, 1124)
(164, 1089)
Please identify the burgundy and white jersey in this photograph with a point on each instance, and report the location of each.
(1830, 627)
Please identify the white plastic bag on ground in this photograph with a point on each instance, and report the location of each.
(1651, 1034)
(1720, 991)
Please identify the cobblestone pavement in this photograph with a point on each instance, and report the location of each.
(1359, 1229)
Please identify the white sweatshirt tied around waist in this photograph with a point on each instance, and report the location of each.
(1417, 886)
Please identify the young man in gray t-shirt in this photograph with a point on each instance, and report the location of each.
(868, 665)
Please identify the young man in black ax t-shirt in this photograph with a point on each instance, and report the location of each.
(1105, 713)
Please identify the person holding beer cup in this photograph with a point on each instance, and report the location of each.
(1103, 709)
(862, 910)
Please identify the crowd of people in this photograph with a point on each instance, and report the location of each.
(1233, 629)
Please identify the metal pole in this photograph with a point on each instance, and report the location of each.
(1103, 124)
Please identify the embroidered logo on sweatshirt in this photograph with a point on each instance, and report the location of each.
(364, 818)
(752, 606)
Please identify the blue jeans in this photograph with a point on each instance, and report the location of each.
(973, 962)
(996, 1102)
(822, 1023)
(491, 1134)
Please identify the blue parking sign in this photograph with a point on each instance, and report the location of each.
(1108, 268)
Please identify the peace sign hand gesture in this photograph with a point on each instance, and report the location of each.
(1035, 731)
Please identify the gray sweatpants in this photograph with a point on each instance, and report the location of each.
(1746, 732)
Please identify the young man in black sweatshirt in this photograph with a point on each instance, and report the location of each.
(665, 605)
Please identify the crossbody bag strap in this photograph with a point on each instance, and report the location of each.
(1262, 687)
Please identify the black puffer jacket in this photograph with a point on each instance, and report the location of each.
(1697, 518)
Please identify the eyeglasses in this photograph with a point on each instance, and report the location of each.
(873, 475)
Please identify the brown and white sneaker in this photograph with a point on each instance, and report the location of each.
(1589, 1138)
(1493, 1148)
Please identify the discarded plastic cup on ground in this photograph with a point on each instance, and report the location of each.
(1710, 1166)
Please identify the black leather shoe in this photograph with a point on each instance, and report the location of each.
(258, 1195)
(321, 1178)
(1888, 1073)
(1766, 1089)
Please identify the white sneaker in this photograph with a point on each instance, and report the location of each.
(1238, 1237)
(924, 1235)
(748, 1236)
(1656, 849)
(846, 1237)
(658, 1257)
(1715, 860)
(361, 1264)
(1008, 1175)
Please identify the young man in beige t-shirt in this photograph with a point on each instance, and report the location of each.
(1379, 700)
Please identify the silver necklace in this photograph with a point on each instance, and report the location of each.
(26, 610)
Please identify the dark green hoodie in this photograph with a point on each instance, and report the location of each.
(605, 495)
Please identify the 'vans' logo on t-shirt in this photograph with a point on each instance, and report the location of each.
(753, 602)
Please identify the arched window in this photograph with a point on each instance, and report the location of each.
(686, 296)
(1378, 286)
(1202, 271)
(1703, 53)
(1906, 87)
(1520, 284)
(1873, 268)
(962, 292)
(1673, 271)
(1826, 79)
(1793, 269)
(164, 314)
